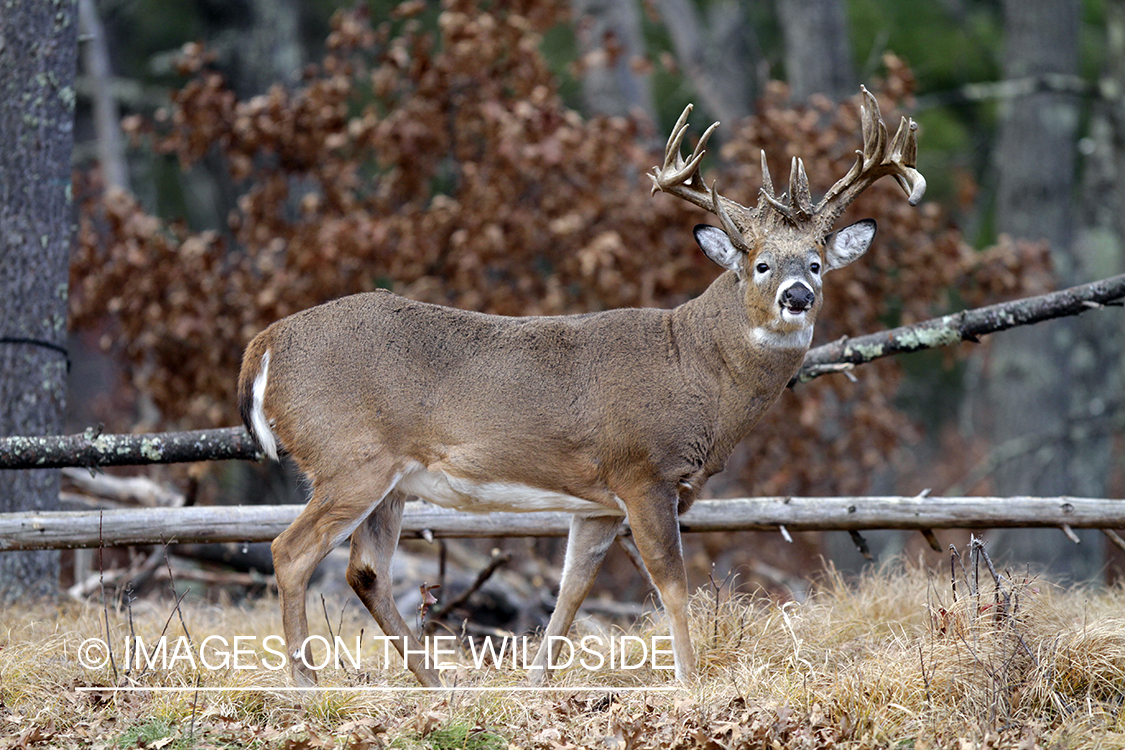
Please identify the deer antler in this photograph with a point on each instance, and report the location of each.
(681, 178)
(896, 157)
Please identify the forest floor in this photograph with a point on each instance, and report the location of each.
(901, 658)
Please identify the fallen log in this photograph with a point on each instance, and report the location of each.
(261, 523)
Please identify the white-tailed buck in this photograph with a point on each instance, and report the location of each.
(612, 416)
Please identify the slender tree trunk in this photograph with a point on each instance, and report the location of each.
(38, 60)
(258, 45)
(107, 117)
(611, 45)
(271, 51)
(818, 51)
(1031, 375)
(719, 56)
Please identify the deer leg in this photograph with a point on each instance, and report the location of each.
(657, 534)
(369, 574)
(333, 512)
(586, 545)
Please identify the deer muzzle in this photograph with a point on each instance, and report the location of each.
(796, 298)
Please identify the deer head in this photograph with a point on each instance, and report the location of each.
(781, 248)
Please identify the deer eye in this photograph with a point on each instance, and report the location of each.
(761, 268)
(815, 267)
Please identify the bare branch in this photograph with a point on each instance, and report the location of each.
(497, 562)
(1055, 83)
(968, 325)
(234, 443)
(91, 449)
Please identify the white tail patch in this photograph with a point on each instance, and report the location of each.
(258, 422)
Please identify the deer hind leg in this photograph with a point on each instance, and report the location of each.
(369, 574)
(586, 545)
(333, 512)
(656, 531)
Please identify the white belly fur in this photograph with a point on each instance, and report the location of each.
(447, 491)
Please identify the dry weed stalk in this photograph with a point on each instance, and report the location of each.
(893, 659)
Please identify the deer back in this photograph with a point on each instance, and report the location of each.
(577, 404)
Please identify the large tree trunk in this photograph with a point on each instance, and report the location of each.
(818, 52)
(38, 60)
(1032, 377)
(1099, 250)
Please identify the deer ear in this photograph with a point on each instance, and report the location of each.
(844, 246)
(717, 246)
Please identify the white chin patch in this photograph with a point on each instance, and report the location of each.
(798, 339)
(790, 316)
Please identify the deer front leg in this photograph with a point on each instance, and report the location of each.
(335, 509)
(656, 530)
(586, 546)
(369, 574)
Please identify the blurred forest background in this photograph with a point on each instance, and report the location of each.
(238, 161)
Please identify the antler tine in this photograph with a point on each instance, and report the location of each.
(767, 194)
(681, 178)
(697, 154)
(728, 223)
(672, 147)
(872, 125)
(904, 150)
(880, 156)
(767, 182)
(678, 176)
(799, 194)
(799, 207)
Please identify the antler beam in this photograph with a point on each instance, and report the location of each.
(681, 178)
(880, 156)
(897, 157)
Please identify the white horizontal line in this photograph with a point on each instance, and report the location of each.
(378, 689)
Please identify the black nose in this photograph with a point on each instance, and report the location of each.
(797, 297)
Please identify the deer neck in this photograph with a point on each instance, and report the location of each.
(746, 370)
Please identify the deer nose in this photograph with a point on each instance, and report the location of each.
(797, 298)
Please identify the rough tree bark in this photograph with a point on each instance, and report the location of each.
(38, 60)
(818, 52)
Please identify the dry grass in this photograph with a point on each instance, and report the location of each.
(894, 660)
